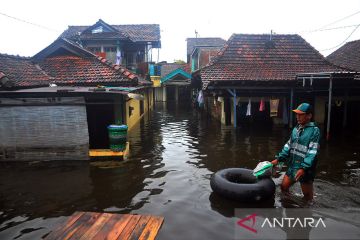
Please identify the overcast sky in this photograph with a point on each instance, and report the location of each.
(179, 19)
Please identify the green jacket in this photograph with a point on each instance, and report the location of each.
(301, 149)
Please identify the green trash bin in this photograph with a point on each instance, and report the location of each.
(117, 137)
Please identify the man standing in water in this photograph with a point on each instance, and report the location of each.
(300, 152)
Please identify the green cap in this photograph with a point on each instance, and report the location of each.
(303, 108)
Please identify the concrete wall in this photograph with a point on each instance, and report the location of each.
(135, 116)
(38, 129)
(132, 110)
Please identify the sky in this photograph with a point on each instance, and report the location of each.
(27, 27)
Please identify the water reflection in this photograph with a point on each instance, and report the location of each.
(173, 153)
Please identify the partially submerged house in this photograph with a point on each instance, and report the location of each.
(174, 84)
(129, 45)
(347, 56)
(58, 104)
(253, 70)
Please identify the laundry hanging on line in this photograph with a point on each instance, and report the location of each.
(200, 99)
(262, 105)
(274, 107)
(248, 111)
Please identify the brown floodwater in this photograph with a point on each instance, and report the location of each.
(174, 152)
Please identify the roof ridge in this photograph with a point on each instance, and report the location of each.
(135, 24)
(116, 25)
(118, 68)
(77, 45)
(358, 40)
(15, 56)
(221, 51)
(38, 67)
(265, 34)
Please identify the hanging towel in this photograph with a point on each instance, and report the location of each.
(248, 110)
(262, 105)
(200, 99)
(118, 57)
(285, 113)
(274, 106)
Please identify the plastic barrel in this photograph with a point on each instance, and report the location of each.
(117, 137)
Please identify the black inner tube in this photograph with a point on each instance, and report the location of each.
(239, 178)
(240, 184)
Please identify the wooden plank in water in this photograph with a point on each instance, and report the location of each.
(114, 227)
(129, 227)
(139, 227)
(83, 226)
(95, 228)
(87, 225)
(56, 234)
(70, 228)
(152, 228)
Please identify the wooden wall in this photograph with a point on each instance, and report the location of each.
(38, 129)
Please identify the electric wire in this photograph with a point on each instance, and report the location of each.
(328, 29)
(344, 40)
(339, 20)
(27, 22)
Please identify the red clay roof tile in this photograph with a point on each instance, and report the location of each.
(23, 72)
(347, 56)
(255, 57)
(134, 32)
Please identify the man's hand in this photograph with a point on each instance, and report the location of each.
(274, 162)
(299, 174)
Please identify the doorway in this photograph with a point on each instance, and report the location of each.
(100, 114)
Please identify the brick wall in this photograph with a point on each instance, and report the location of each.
(39, 129)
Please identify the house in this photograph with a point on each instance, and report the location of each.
(58, 104)
(174, 83)
(347, 56)
(31, 76)
(128, 45)
(285, 68)
(202, 55)
(208, 44)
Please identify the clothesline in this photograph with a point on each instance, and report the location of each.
(275, 109)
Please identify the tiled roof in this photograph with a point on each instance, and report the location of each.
(140, 32)
(135, 33)
(255, 57)
(104, 35)
(167, 68)
(22, 72)
(75, 70)
(347, 56)
(65, 63)
(203, 42)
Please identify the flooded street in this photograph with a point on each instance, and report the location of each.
(174, 151)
